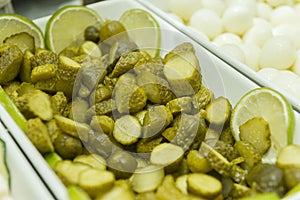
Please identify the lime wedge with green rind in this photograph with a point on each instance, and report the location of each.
(272, 107)
(11, 24)
(143, 29)
(67, 25)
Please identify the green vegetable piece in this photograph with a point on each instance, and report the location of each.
(35, 104)
(203, 97)
(204, 185)
(120, 190)
(170, 133)
(76, 193)
(91, 49)
(38, 134)
(52, 158)
(127, 130)
(59, 103)
(157, 88)
(93, 160)
(66, 146)
(182, 104)
(4, 170)
(145, 146)
(286, 157)
(122, 163)
(239, 191)
(101, 93)
(23, 40)
(43, 72)
(293, 190)
(102, 123)
(69, 171)
(257, 132)
(129, 97)
(183, 73)
(12, 109)
(267, 178)
(291, 177)
(71, 127)
(79, 107)
(126, 62)
(197, 163)
(10, 62)
(25, 69)
(249, 153)
(218, 111)
(156, 120)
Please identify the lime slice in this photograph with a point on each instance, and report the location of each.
(11, 24)
(66, 26)
(143, 29)
(272, 107)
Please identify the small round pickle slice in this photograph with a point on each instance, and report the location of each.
(204, 185)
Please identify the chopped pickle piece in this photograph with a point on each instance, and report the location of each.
(38, 134)
(182, 104)
(23, 40)
(218, 111)
(10, 62)
(286, 156)
(69, 171)
(257, 132)
(249, 153)
(154, 176)
(43, 72)
(71, 127)
(91, 49)
(102, 123)
(120, 190)
(25, 69)
(126, 62)
(156, 120)
(35, 104)
(167, 155)
(197, 163)
(95, 181)
(204, 185)
(129, 97)
(183, 73)
(93, 160)
(157, 89)
(127, 130)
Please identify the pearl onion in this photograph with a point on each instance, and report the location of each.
(296, 66)
(227, 38)
(278, 52)
(263, 10)
(234, 51)
(218, 6)
(250, 4)
(291, 31)
(282, 15)
(184, 9)
(285, 79)
(252, 55)
(258, 34)
(237, 19)
(261, 22)
(208, 22)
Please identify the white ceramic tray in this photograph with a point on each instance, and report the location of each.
(220, 77)
(242, 68)
(25, 182)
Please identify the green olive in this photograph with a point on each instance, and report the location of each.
(123, 164)
(91, 33)
(67, 146)
(112, 28)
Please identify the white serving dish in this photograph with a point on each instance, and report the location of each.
(25, 182)
(159, 8)
(220, 77)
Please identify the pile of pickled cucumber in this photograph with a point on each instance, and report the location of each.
(115, 123)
